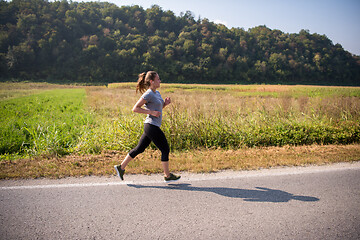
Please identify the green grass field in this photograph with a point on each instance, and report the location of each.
(51, 121)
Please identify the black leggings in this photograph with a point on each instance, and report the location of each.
(152, 133)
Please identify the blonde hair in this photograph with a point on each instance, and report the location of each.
(143, 82)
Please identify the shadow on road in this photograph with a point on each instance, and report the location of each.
(260, 195)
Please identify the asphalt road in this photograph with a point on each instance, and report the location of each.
(285, 203)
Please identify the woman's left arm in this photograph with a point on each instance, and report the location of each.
(167, 102)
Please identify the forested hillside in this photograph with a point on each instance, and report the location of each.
(101, 42)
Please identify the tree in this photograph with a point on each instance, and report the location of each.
(78, 41)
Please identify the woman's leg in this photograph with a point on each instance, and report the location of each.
(158, 137)
(126, 161)
(165, 166)
(144, 142)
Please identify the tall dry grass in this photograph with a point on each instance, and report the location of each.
(231, 117)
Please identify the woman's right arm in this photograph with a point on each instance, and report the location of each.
(138, 108)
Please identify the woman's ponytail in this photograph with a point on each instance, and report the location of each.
(141, 83)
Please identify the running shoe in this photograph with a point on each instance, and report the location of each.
(172, 178)
(119, 171)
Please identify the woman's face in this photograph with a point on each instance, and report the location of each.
(156, 82)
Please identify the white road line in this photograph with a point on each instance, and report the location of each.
(188, 177)
(71, 185)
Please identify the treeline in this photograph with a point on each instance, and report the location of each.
(101, 42)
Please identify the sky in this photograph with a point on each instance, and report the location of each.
(339, 20)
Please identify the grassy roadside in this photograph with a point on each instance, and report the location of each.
(197, 161)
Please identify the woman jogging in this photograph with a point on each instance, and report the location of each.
(147, 84)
